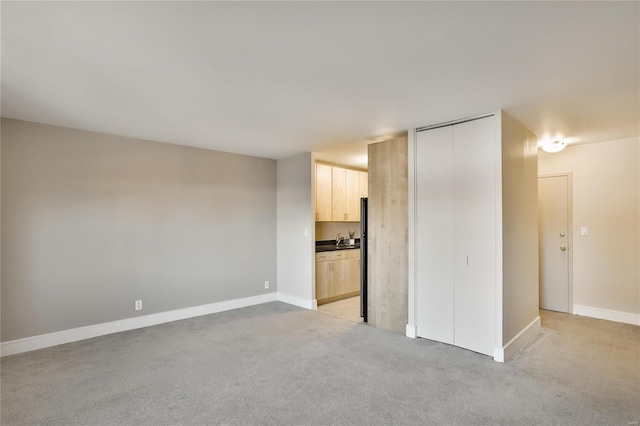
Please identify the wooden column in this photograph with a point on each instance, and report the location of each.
(388, 234)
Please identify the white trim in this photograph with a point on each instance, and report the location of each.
(411, 331)
(75, 334)
(606, 314)
(411, 263)
(297, 301)
(498, 287)
(515, 344)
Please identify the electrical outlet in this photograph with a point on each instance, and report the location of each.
(266, 284)
(138, 305)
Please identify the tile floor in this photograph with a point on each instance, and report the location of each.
(348, 309)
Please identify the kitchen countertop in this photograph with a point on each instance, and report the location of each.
(330, 245)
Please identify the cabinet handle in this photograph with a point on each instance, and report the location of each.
(346, 216)
(317, 215)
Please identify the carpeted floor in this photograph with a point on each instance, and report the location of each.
(277, 364)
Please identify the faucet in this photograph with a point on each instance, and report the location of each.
(339, 238)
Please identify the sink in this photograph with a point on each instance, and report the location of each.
(332, 247)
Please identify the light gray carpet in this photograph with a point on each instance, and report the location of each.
(277, 364)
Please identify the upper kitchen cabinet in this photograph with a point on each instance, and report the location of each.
(338, 193)
(363, 184)
(323, 192)
(345, 200)
(352, 196)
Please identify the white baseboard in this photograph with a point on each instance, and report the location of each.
(606, 314)
(515, 344)
(297, 301)
(411, 331)
(75, 334)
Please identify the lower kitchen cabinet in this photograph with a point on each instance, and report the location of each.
(352, 280)
(337, 275)
(330, 279)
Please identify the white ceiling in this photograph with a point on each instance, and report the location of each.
(273, 79)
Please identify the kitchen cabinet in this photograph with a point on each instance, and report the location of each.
(352, 196)
(330, 278)
(352, 280)
(345, 200)
(338, 193)
(363, 184)
(323, 192)
(337, 275)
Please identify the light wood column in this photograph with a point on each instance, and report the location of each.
(388, 235)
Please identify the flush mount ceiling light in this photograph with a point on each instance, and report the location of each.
(553, 146)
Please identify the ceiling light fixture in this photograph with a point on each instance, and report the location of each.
(553, 146)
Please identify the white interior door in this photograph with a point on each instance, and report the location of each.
(554, 237)
(475, 234)
(434, 228)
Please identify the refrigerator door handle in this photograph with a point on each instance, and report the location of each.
(363, 258)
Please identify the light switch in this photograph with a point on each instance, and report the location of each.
(306, 232)
(584, 231)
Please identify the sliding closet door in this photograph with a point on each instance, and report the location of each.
(434, 234)
(474, 235)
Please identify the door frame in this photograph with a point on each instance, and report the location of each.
(569, 176)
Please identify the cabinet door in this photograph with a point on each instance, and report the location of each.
(352, 275)
(363, 184)
(323, 280)
(338, 278)
(338, 194)
(323, 192)
(352, 195)
(474, 237)
(331, 277)
(434, 224)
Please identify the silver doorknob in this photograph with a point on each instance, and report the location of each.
(563, 248)
(562, 234)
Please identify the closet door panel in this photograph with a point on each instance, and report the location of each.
(474, 236)
(434, 227)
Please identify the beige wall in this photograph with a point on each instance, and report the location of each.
(519, 227)
(606, 198)
(92, 222)
(295, 215)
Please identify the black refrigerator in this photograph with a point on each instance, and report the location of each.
(363, 257)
